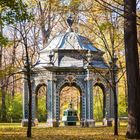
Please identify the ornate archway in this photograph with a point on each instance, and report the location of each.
(79, 96)
(40, 102)
(80, 87)
(99, 101)
(70, 94)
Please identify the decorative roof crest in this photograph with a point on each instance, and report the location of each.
(70, 78)
(70, 20)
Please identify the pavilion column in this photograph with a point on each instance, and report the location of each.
(108, 107)
(83, 100)
(112, 104)
(52, 120)
(34, 119)
(83, 110)
(109, 103)
(89, 100)
(57, 107)
(25, 102)
(111, 112)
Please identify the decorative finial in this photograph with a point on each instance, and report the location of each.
(70, 21)
(89, 57)
(51, 56)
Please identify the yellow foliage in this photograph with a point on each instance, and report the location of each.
(7, 71)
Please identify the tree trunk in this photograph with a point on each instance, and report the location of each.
(132, 67)
(29, 130)
(114, 83)
(45, 32)
(115, 102)
(13, 64)
(3, 105)
(0, 43)
(28, 73)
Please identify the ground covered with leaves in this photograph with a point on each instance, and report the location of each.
(16, 132)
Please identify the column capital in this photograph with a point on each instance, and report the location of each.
(88, 78)
(52, 79)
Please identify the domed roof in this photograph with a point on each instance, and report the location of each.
(63, 52)
(70, 41)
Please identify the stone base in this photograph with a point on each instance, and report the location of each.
(52, 123)
(89, 123)
(82, 123)
(24, 122)
(107, 122)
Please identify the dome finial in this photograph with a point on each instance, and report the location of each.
(70, 20)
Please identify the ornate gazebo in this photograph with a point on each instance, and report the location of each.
(70, 60)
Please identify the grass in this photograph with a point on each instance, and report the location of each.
(14, 131)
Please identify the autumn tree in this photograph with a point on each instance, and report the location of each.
(132, 61)
(18, 13)
(107, 36)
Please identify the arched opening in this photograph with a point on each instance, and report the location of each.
(99, 104)
(40, 102)
(70, 94)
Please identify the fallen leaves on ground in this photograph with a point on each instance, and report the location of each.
(16, 132)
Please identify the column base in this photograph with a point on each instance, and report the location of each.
(82, 123)
(107, 122)
(24, 122)
(52, 123)
(89, 123)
